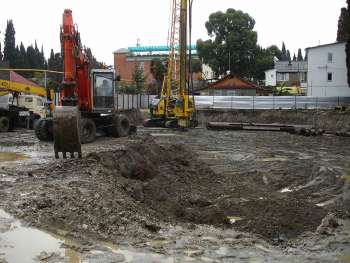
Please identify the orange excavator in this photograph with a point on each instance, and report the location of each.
(86, 99)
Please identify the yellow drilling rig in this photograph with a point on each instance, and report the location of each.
(175, 108)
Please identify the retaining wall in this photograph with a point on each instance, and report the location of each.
(331, 120)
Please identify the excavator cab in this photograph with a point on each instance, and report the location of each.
(102, 82)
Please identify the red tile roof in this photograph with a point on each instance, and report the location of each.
(233, 82)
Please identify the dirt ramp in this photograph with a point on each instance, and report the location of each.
(168, 179)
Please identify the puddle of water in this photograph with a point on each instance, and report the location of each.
(24, 244)
(12, 157)
(131, 256)
(346, 178)
(5, 178)
(275, 159)
(326, 202)
(234, 219)
(344, 258)
(164, 134)
(286, 190)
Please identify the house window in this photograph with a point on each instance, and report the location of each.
(330, 57)
(330, 77)
(283, 76)
(28, 99)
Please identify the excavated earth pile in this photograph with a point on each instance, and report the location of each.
(138, 189)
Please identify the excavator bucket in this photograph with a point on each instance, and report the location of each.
(66, 133)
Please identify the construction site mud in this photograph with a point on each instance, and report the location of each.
(208, 196)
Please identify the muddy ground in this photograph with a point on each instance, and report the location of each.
(200, 195)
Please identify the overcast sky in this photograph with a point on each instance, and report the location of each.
(108, 25)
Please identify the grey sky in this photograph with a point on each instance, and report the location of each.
(107, 25)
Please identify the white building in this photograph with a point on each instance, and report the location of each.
(327, 72)
(271, 77)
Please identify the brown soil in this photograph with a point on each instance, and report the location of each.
(136, 190)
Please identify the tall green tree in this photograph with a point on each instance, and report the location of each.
(42, 60)
(158, 71)
(94, 63)
(10, 44)
(22, 57)
(264, 60)
(284, 52)
(289, 58)
(1, 55)
(196, 66)
(139, 78)
(51, 60)
(300, 55)
(294, 57)
(31, 57)
(343, 25)
(232, 43)
(275, 52)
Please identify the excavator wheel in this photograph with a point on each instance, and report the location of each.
(87, 130)
(120, 126)
(43, 131)
(66, 131)
(4, 124)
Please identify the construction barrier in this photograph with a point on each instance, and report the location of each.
(138, 101)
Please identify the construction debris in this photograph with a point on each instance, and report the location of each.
(305, 130)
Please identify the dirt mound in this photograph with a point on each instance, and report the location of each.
(129, 191)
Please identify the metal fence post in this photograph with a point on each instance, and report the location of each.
(295, 102)
(273, 101)
(123, 101)
(253, 103)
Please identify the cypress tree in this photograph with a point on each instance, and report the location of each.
(17, 61)
(347, 47)
(343, 25)
(31, 57)
(288, 56)
(10, 44)
(43, 63)
(300, 55)
(294, 57)
(284, 52)
(51, 60)
(1, 56)
(22, 56)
